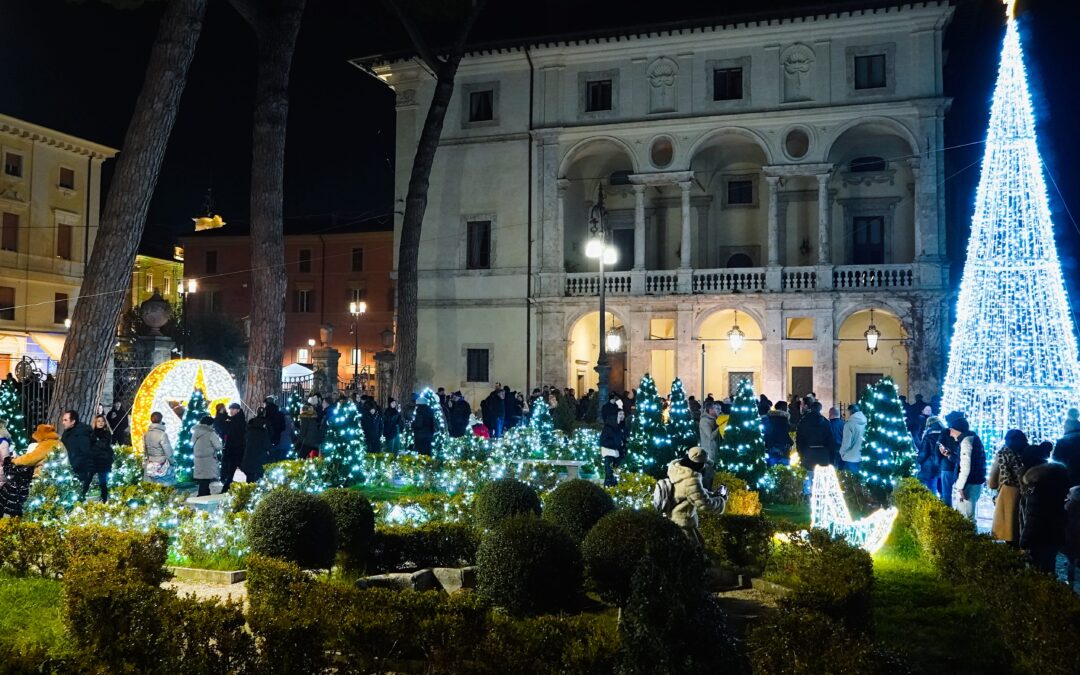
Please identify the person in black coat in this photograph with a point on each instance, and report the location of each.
(949, 464)
(457, 421)
(493, 412)
(371, 425)
(1067, 450)
(118, 424)
(929, 459)
(76, 440)
(392, 425)
(777, 436)
(235, 428)
(423, 427)
(1042, 530)
(257, 444)
(514, 409)
(219, 420)
(275, 420)
(612, 437)
(101, 458)
(310, 436)
(814, 438)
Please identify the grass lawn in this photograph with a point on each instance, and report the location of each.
(381, 493)
(30, 615)
(921, 616)
(799, 514)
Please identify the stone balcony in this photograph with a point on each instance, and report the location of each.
(912, 276)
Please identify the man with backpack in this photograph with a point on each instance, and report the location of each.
(682, 494)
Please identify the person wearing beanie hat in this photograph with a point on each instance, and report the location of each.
(949, 450)
(1067, 449)
(972, 463)
(457, 422)
(423, 427)
(21, 470)
(690, 493)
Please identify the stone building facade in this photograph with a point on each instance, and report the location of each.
(781, 175)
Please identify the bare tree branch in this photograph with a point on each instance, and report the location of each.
(248, 10)
(417, 38)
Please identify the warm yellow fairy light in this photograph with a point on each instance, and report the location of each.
(174, 381)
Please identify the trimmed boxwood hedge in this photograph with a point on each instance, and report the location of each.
(429, 545)
(577, 505)
(616, 546)
(529, 566)
(295, 526)
(504, 498)
(354, 521)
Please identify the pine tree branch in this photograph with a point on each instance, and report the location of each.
(248, 10)
(417, 38)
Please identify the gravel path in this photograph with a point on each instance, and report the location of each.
(210, 591)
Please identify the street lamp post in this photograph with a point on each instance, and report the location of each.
(598, 248)
(186, 288)
(357, 309)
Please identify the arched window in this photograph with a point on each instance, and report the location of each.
(740, 260)
(867, 164)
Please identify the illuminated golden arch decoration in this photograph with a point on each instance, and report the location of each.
(167, 389)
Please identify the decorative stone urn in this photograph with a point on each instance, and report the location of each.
(326, 334)
(155, 313)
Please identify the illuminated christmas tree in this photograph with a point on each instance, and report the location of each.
(440, 442)
(343, 447)
(184, 453)
(680, 422)
(293, 403)
(888, 453)
(11, 412)
(649, 446)
(742, 448)
(542, 426)
(1013, 358)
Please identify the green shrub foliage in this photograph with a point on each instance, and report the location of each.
(621, 540)
(355, 524)
(577, 505)
(528, 566)
(396, 549)
(738, 543)
(742, 448)
(295, 526)
(504, 498)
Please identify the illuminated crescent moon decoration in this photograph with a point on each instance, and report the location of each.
(829, 511)
(167, 389)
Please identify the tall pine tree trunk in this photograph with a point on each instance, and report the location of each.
(416, 200)
(276, 26)
(81, 373)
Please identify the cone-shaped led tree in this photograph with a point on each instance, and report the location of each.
(680, 422)
(543, 426)
(185, 449)
(888, 454)
(1013, 358)
(11, 412)
(649, 445)
(442, 432)
(343, 446)
(742, 449)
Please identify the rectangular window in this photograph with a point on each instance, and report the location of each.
(63, 241)
(597, 95)
(740, 192)
(168, 284)
(304, 260)
(13, 164)
(149, 282)
(303, 355)
(355, 355)
(9, 238)
(60, 308)
(727, 84)
(214, 302)
(7, 303)
(67, 178)
(482, 106)
(476, 365)
(479, 241)
(358, 260)
(869, 240)
(357, 295)
(870, 71)
(303, 301)
(211, 262)
(661, 329)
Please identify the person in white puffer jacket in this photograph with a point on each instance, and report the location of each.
(851, 445)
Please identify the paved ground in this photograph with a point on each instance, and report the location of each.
(745, 607)
(209, 591)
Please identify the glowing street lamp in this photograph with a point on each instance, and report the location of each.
(872, 335)
(735, 336)
(357, 309)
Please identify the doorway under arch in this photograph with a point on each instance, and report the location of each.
(583, 350)
(725, 366)
(856, 367)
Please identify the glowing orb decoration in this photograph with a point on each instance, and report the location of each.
(829, 511)
(167, 389)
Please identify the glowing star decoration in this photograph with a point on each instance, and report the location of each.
(167, 389)
(1013, 358)
(829, 511)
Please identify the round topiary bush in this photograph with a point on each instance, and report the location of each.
(355, 524)
(615, 547)
(577, 505)
(503, 498)
(528, 566)
(295, 526)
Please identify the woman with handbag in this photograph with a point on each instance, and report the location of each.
(157, 453)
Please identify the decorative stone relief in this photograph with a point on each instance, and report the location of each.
(869, 178)
(926, 346)
(406, 97)
(662, 74)
(797, 64)
(11, 192)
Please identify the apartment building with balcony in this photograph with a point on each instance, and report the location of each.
(50, 199)
(781, 175)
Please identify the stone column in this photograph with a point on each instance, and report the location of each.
(684, 249)
(551, 222)
(560, 220)
(639, 227)
(825, 359)
(773, 355)
(824, 221)
(917, 201)
(774, 220)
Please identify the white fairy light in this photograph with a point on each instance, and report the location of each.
(829, 511)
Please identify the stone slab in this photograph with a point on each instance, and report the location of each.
(201, 576)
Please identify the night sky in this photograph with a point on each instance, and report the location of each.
(78, 67)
